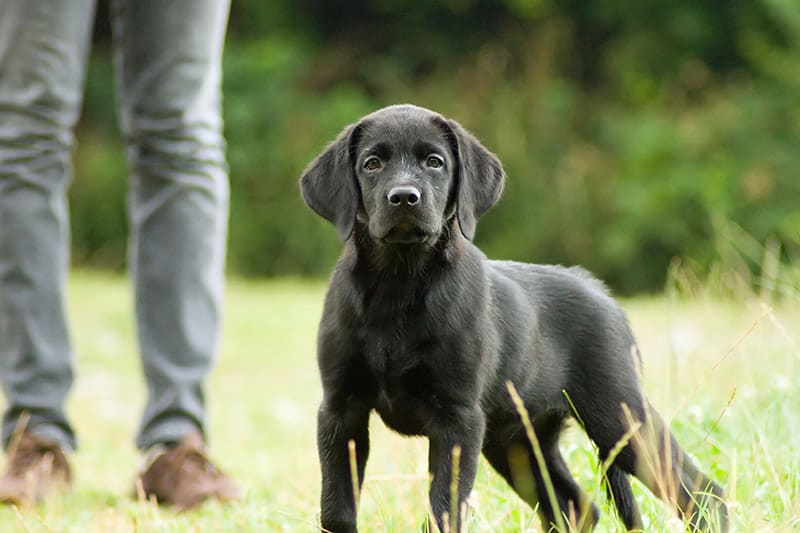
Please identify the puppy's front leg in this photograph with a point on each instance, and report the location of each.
(337, 424)
(461, 429)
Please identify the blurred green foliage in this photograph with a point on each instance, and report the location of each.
(631, 132)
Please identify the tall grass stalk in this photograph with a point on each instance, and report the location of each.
(537, 452)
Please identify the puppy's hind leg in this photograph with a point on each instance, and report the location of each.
(515, 460)
(650, 452)
(699, 500)
(619, 490)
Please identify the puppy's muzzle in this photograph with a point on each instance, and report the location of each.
(406, 200)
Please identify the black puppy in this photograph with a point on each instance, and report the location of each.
(421, 327)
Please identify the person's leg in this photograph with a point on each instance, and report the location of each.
(168, 60)
(43, 54)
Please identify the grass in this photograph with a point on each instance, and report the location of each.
(725, 371)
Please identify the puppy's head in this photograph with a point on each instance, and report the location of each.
(403, 171)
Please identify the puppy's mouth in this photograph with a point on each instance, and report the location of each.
(406, 234)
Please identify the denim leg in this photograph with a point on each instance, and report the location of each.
(168, 64)
(43, 55)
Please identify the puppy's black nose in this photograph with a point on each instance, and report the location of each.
(406, 195)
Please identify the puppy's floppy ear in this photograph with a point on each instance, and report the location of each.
(479, 177)
(328, 183)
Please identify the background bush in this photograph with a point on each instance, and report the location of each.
(632, 132)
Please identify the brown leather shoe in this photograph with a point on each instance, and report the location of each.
(35, 466)
(184, 476)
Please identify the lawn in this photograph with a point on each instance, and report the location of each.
(725, 371)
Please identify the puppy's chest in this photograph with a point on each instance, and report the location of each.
(404, 380)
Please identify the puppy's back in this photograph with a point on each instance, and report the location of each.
(565, 305)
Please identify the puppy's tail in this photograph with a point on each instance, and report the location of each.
(618, 487)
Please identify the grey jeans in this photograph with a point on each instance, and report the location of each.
(167, 56)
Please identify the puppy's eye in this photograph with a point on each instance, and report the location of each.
(434, 161)
(372, 163)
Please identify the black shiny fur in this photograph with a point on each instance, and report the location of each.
(421, 327)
